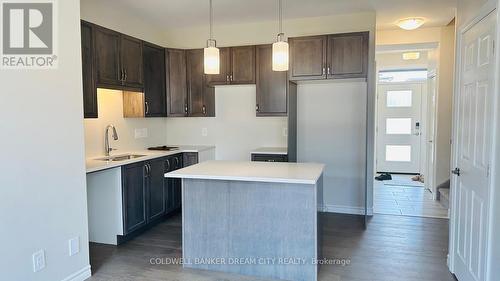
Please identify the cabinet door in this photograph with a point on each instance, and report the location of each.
(348, 55)
(134, 196)
(131, 60)
(308, 57)
(154, 81)
(225, 69)
(271, 85)
(168, 186)
(107, 56)
(243, 65)
(177, 183)
(196, 83)
(176, 83)
(88, 74)
(156, 189)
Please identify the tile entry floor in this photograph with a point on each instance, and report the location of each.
(406, 200)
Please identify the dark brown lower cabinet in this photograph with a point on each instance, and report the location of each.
(173, 186)
(271, 87)
(156, 190)
(134, 181)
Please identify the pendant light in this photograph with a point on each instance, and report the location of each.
(280, 47)
(211, 52)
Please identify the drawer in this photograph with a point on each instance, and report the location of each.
(270, 157)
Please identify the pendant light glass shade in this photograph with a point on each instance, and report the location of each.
(280, 54)
(211, 59)
(280, 48)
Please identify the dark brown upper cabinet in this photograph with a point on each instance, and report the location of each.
(348, 55)
(131, 62)
(154, 81)
(224, 71)
(118, 60)
(107, 57)
(88, 74)
(308, 57)
(333, 56)
(243, 65)
(201, 97)
(237, 66)
(272, 96)
(175, 61)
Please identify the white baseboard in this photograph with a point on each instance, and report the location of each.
(80, 275)
(345, 209)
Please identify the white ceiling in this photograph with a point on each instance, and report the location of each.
(187, 13)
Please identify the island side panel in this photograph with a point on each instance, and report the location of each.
(263, 222)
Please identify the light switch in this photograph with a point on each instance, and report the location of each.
(285, 132)
(141, 133)
(74, 246)
(38, 261)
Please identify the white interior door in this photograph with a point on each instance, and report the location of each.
(430, 135)
(398, 129)
(475, 101)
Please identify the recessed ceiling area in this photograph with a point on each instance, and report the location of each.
(188, 13)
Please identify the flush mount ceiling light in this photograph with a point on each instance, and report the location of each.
(211, 52)
(410, 23)
(411, 56)
(280, 47)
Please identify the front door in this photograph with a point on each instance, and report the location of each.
(474, 142)
(398, 128)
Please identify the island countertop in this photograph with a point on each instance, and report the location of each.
(300, 173)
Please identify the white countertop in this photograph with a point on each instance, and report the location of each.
(300, 173)
(271, 150)
(93, 164)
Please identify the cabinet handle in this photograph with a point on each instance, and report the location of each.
(328, 71)
(167, 162)
(231, 77)
(204, 110)
(324, 72)
(146, 167)
(147, 107)
(257, 108)
(227, 78)
(121, 75)
(176, 162)
(125, 75)
(186, 108)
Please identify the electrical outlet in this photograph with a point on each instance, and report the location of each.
(141, 133)
(204, 132)
(74, 246)
(38, 261)
(285, 132)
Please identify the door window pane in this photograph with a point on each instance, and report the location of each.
(398, 153)
(398, 126)
(399, 98)
(402, 76)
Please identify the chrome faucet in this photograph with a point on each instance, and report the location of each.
(108, 149)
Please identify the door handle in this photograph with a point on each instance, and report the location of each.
(456, 171)
(147, 107)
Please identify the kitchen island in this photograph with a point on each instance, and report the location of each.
(252, 218)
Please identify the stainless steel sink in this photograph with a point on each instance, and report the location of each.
(120, 157)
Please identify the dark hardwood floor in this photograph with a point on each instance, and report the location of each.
(393, 248)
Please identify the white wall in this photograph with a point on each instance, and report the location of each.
(332, 130)
(444, 113)
(110, 106)
(43, 200)
(235, 131)
(114, 16)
